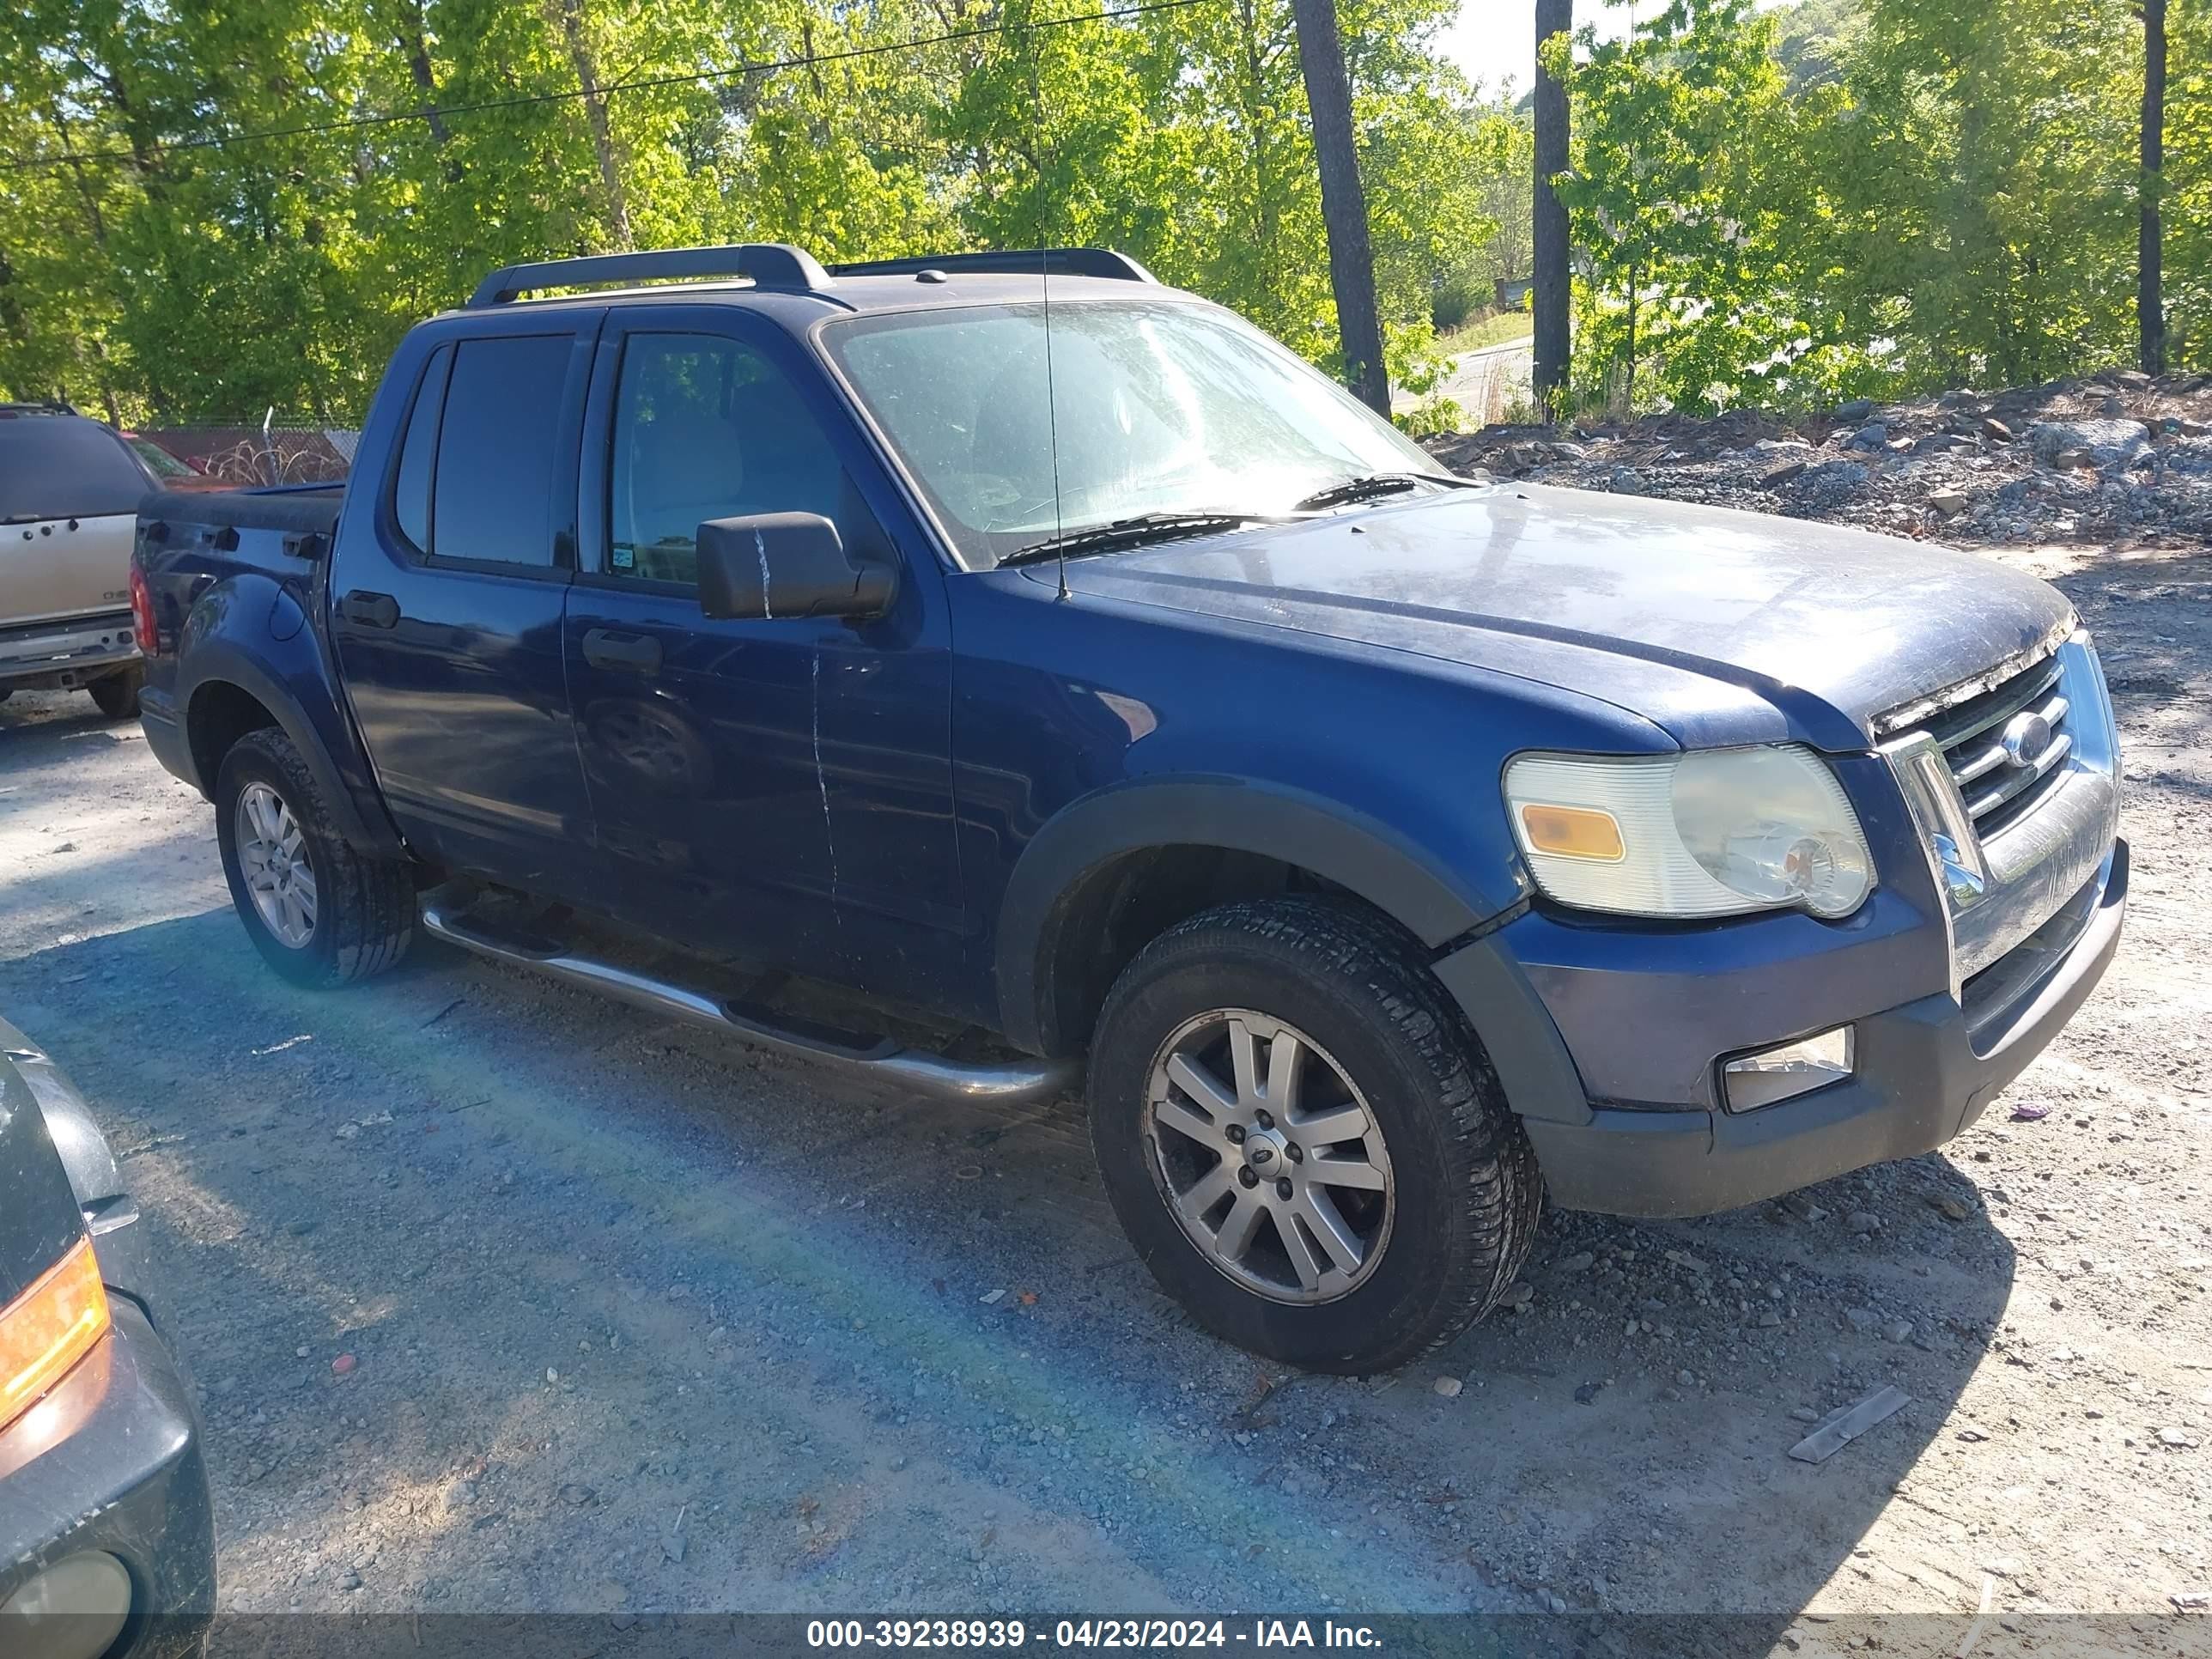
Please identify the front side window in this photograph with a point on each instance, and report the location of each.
(1153, 406)
(705, 428)
(491, 497)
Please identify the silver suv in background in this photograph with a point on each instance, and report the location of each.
(68, 497)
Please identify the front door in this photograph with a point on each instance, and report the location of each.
(780, 789)
(448, 587)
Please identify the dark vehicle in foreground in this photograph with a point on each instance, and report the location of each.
(68, 497)
(1006, 647)
(106, 1531)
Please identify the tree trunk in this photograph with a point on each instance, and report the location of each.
(1548, 233)
(1343, 204)
(2150, 302)
(595, 110)
(415, 43)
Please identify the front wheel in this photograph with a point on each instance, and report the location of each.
(320, 912)
(1303, 1138)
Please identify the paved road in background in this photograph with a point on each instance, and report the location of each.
(1481, 382)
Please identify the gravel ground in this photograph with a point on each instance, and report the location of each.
(2121, 458)
(504, 1299)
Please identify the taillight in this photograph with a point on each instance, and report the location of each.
(48, 1327)
(142, 610)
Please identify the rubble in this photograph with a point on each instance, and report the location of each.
(2117, 458)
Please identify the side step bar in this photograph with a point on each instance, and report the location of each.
(1007, 1083)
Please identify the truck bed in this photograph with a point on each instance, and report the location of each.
(308, 509)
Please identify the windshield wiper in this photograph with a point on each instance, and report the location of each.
(1137, 532)
(1372, 484)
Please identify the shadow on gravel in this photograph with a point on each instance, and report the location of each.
(635, 1320)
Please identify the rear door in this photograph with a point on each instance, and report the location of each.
(68, 503)
(446, 605)
(780, 789)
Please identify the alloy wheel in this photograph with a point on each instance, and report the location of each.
(1267, 1156)
(272, 853)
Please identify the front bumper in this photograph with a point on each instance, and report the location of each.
(1619, 1087)
(111, 1459)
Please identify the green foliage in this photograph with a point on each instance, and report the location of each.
(163, 283)
(1868, 196)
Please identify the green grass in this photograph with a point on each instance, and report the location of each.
(1494, 329)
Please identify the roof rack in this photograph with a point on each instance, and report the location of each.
(769, 264)
(781, 265)
(1034, 261)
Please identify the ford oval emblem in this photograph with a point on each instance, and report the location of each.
(2027, 738)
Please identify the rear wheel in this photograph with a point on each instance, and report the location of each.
(118, 695)
(320, 912)
(1303, 1138)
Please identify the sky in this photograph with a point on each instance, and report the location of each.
(1495, 40)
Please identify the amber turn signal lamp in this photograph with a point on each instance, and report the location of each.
(1573, 832)
(50, 1327)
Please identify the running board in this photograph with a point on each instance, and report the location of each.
(1008, 1083)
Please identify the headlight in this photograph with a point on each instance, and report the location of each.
(1715, 832)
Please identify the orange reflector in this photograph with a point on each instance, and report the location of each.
(1573, 832)
(50, 1327)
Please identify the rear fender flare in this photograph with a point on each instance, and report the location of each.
(215, 660)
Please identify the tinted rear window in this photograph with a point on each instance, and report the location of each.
(61, 466)
(411, 490)
(492, 495)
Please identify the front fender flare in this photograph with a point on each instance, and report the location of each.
(1343, 846)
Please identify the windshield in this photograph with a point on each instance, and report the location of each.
(64, 467)
(1160, 407)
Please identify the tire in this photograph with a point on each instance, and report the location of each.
(118, 695)
(363, 908)
(1438, 1249)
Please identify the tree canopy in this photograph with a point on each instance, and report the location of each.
(1873, 196)
(208, 209)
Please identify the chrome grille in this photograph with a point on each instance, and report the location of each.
(2012, 830)
(2006, 748)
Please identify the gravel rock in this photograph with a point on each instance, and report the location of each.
(2031, 464)
(1863, 1222)
(2102, 441)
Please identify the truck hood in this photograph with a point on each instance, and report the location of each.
(1548, 584)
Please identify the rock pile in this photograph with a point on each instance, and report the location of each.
(2120, 457)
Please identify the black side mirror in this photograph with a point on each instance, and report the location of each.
(769, 565)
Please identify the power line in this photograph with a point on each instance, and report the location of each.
(637, 83)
